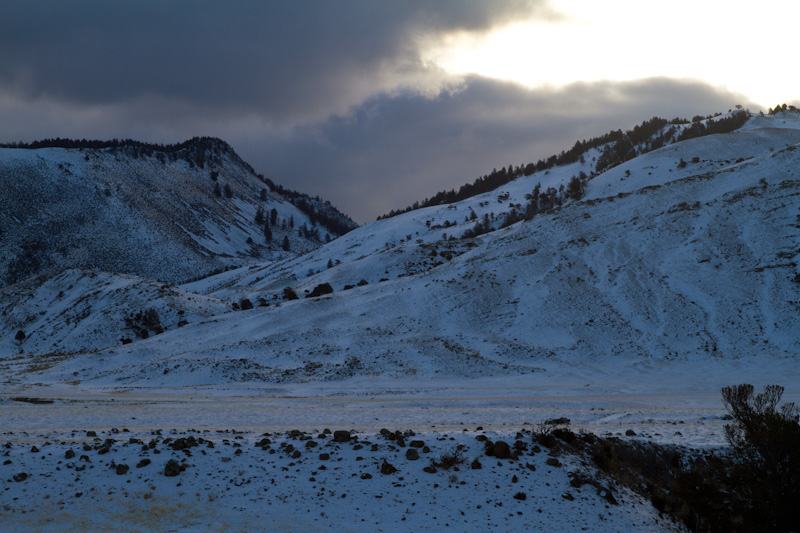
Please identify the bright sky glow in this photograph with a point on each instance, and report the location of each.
(745, 47)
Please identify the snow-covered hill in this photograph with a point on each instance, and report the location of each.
(687, 253)
(169, 213)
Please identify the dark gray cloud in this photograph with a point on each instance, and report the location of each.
(392, 151)
(283, 61)
(330, 98)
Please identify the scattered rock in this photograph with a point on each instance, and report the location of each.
(69, 454)
(122, 469)
(476, 465)
(429, 469)
(552, 461)
(172, 468)
(502, 450)
(143, 463)
(630, 433)
(22, 476)
(341, 436)
(412, 454)
(416, 444)
(520, 496)
(387, 469)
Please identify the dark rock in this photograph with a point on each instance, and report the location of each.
(429, 469)
(502, 450)
(69, 454)
(341, 436)
(122, 469)
(172, 468)
(552, 461)
(366, 476)
(143, 463)
(22, 476)
(521, 496)
(416, 444)
(34, 449)
(476, 465)
(412, 454)
(324, 456)
(387, 469)
(311, 444)
(91, 433)
(630, 433)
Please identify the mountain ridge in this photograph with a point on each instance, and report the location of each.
(172, 212)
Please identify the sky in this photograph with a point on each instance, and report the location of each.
(376, 104)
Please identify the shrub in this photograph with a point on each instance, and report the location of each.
(448, 460)
(765, 441)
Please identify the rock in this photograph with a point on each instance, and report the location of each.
(324, 456)
(417, 444)
(341, 436)
(143, 463)
(311, 444)
(91, 433)
(521, 496)
(429, 469)
(386, 433)
(412, 454)
(122, 469)
(476, 465)
(366, 476)
(502, 450)
(172, 468)
(630, 433)
(34, 449)
(552, 461)
(22, 476)
(69, 454)
(387, 469)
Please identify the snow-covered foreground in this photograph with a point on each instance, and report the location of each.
(237, 481)
(236, 485)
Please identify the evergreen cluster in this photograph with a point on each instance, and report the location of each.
(318, 211)
(618, 148)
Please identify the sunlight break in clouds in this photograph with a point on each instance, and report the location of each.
(731, 45)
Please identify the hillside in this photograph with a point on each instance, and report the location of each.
(170, 213)
(686, 254)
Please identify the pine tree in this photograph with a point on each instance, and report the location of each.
(267, 233)
(259, 216)
(217, 190)
(273, 217)
(285, 243)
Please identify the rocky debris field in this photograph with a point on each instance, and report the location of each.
(227, 480)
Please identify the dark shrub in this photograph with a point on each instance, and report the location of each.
(320, 290)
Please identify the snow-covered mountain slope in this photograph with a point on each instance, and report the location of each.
(668, 262)
(169, 213)
(79, 311)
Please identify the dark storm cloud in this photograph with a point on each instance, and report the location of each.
(390, 152)
(282, 60)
